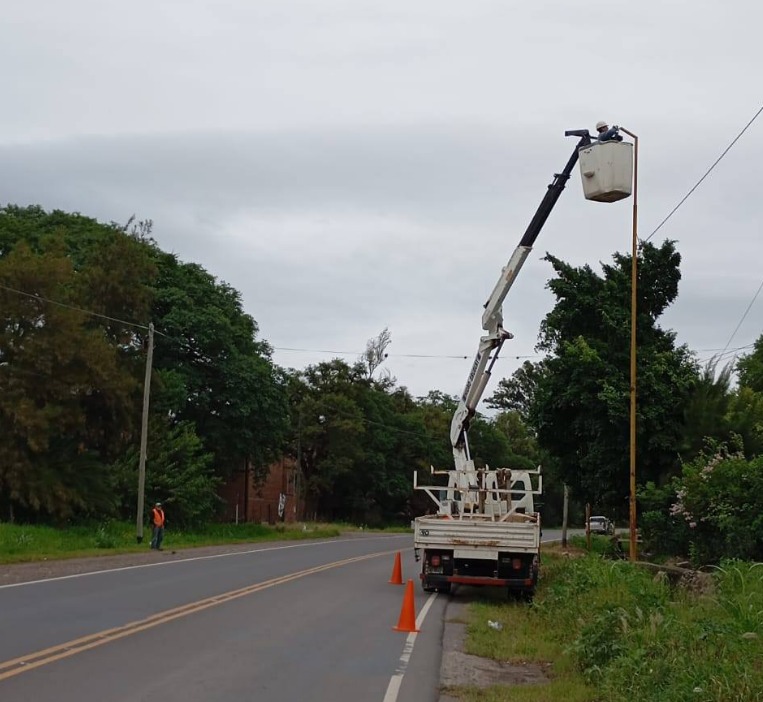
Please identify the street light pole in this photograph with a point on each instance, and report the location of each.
(634, 278)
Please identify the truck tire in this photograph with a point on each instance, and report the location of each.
(521, 595)
(427, 587)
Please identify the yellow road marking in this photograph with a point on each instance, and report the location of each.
(22, 664)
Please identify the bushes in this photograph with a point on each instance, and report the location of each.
(713, 511)
(634, 639)
(720, 498)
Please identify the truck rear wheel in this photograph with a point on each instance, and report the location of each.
(521, 595)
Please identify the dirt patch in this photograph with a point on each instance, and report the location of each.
(459, 669)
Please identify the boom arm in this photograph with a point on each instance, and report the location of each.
(492, 317)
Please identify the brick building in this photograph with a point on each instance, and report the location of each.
(247, 501)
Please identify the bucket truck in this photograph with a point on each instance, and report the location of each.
(486, 530)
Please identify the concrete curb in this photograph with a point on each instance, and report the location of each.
(453, 636)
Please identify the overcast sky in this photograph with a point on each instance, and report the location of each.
(351, 165)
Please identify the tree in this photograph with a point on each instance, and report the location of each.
(181, 474)
(65, 390)
(517, 393)
(376, 351)
(706, 410)
(215, 379)
(750, 367)
(217, 374)
(581, 405)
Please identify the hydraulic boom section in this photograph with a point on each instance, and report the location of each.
(492, 318)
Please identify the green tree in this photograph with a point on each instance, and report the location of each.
(360, 440)
(65, 390)
(216, 373)
(522, 444)
(581, 404)
(745, 420)
(517, 392)
(180, 475)
(706, 409)
(750, 367)
(211, 370)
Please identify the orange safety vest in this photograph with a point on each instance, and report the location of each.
(157, 517)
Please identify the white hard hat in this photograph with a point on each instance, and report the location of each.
(601, 125)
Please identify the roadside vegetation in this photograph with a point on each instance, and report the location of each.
(71, 385)
(609, 630)
(24, 543)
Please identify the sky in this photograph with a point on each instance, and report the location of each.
(351, 166)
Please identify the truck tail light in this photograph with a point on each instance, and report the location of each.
(516, 563)
(435, 561)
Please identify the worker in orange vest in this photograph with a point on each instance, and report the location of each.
(157, 522)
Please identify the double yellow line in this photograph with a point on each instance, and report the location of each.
(23, 664)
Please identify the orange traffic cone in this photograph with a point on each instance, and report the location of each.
(407, 621)
(397, 572)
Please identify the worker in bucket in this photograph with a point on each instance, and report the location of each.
(607, 134)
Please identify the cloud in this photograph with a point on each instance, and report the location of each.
(349, 167)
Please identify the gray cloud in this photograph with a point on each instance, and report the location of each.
(350, 167)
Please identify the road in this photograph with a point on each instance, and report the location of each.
(303, 620)
(279, 622)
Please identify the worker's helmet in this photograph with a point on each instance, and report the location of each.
(158, 504)
(600, 126)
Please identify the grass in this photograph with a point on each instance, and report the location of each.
(20, 543)
(611, 631)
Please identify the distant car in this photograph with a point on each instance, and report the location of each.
(602, 525)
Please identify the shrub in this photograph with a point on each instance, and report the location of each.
(719, 497)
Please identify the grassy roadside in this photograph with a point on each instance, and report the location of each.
(21, 543)
(611, 631)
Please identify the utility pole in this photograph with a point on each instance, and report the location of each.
(633, 550)
(564, 515)
(144, 435)
(298, 476)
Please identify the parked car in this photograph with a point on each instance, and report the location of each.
(602, 525)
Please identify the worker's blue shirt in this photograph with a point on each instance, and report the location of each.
(610, 135)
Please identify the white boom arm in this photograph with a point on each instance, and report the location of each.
(492, 318)
(492, 323)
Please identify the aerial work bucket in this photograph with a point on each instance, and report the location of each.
(607, 170)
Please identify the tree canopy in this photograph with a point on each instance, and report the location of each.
(577, 398)
(76, 298)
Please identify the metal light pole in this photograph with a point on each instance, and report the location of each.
(634, 279)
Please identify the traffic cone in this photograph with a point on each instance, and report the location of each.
(397, 572)
(407, 621)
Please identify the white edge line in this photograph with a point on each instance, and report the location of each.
(393, 689)
(188, 560)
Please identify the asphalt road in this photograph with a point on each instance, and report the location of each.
(278, 622)
(303, 620)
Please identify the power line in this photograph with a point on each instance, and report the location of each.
(35, 296)
(392, 355)
(744, 316)
(707, 173)
(360, 353)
